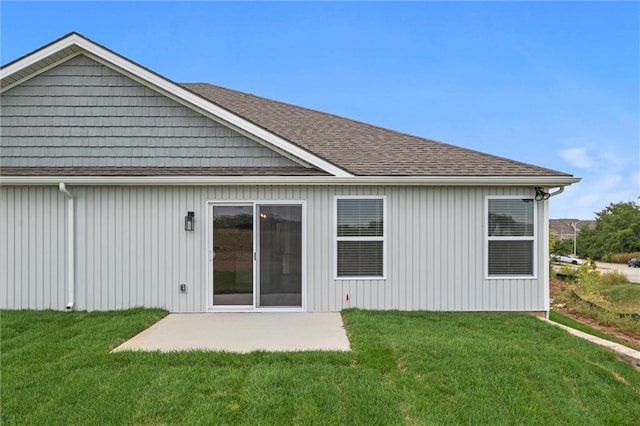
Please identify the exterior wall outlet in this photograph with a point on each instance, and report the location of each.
(183, 288)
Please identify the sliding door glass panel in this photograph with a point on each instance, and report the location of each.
(233, 255)
(280, 254)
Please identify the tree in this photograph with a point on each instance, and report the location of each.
(617, 230)
(563, 246)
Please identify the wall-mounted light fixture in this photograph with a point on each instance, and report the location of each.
(541, 195)
(188, 221)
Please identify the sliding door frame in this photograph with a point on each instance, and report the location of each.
(208, 285)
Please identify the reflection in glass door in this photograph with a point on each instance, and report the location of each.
(232, 255)
(280, 255)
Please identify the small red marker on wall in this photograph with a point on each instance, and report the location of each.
(347, 297)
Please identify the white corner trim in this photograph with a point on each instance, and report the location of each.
(168, 87)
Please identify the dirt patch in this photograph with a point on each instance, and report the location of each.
(631, 339)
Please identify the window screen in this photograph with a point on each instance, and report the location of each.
(510, 218)
(510, 235)
(360, 258)
(510, 257)
(360, 237)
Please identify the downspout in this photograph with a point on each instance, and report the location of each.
(545, 241)
(71, 250)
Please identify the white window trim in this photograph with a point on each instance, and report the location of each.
(487, 238)
(336, 238)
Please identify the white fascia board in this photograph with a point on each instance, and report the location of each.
(547, 182)
(39, 55)
(168, 87)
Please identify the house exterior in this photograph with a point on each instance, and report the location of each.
(121, 188)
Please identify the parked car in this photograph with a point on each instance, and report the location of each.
(569, 258)
(634, 262)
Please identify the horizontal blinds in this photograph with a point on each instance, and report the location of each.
(510, 217)
(360, 217)
(360, 258)
(360, 237)
(510, 257)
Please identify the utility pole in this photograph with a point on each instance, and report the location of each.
(575, 233)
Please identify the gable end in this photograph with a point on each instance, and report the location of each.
(84, 114)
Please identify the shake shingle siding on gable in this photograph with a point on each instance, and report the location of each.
(84, 114)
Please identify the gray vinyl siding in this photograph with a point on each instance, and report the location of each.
(84, 114)
(32, 248)
(132, 249)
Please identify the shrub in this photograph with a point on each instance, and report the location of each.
(598, 301)
(621, 257)
(614, 277)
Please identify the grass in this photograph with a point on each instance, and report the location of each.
(405, 368)
(570, 322)
(623, 295)
(616, 299)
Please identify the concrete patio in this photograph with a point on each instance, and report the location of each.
(243, 332)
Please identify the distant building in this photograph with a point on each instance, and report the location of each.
(562, 229)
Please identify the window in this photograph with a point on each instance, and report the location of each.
(510, 237)
(360, 237)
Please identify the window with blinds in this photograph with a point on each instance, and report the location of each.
(510, 237)
(360, 239)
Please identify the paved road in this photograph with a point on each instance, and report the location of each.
(632, 273)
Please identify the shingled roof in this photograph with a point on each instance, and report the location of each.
(329, 147)
(360, 148)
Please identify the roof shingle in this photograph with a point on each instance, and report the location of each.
(360, 148)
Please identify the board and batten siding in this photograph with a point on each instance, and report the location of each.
(84, 114)
(132, 249)
(33, 247)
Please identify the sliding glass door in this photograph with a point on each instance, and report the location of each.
(232, 255)
(256, 255)
(279, 254)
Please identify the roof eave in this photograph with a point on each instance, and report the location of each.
(503, 181)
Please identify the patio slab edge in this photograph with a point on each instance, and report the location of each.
(242, 333)
(624, 352)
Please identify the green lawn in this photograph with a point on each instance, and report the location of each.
(405, 368)
(570, 322)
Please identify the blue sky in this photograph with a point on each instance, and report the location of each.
(549, 83)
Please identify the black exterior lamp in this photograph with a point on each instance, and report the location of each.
(541, 195)
(188, 221)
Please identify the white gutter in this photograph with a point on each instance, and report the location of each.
(559, 191)
(543, 181)
(71, 250)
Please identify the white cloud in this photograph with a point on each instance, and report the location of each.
(595, 192)
(608, 182)
(577, 157)
(614, 158)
